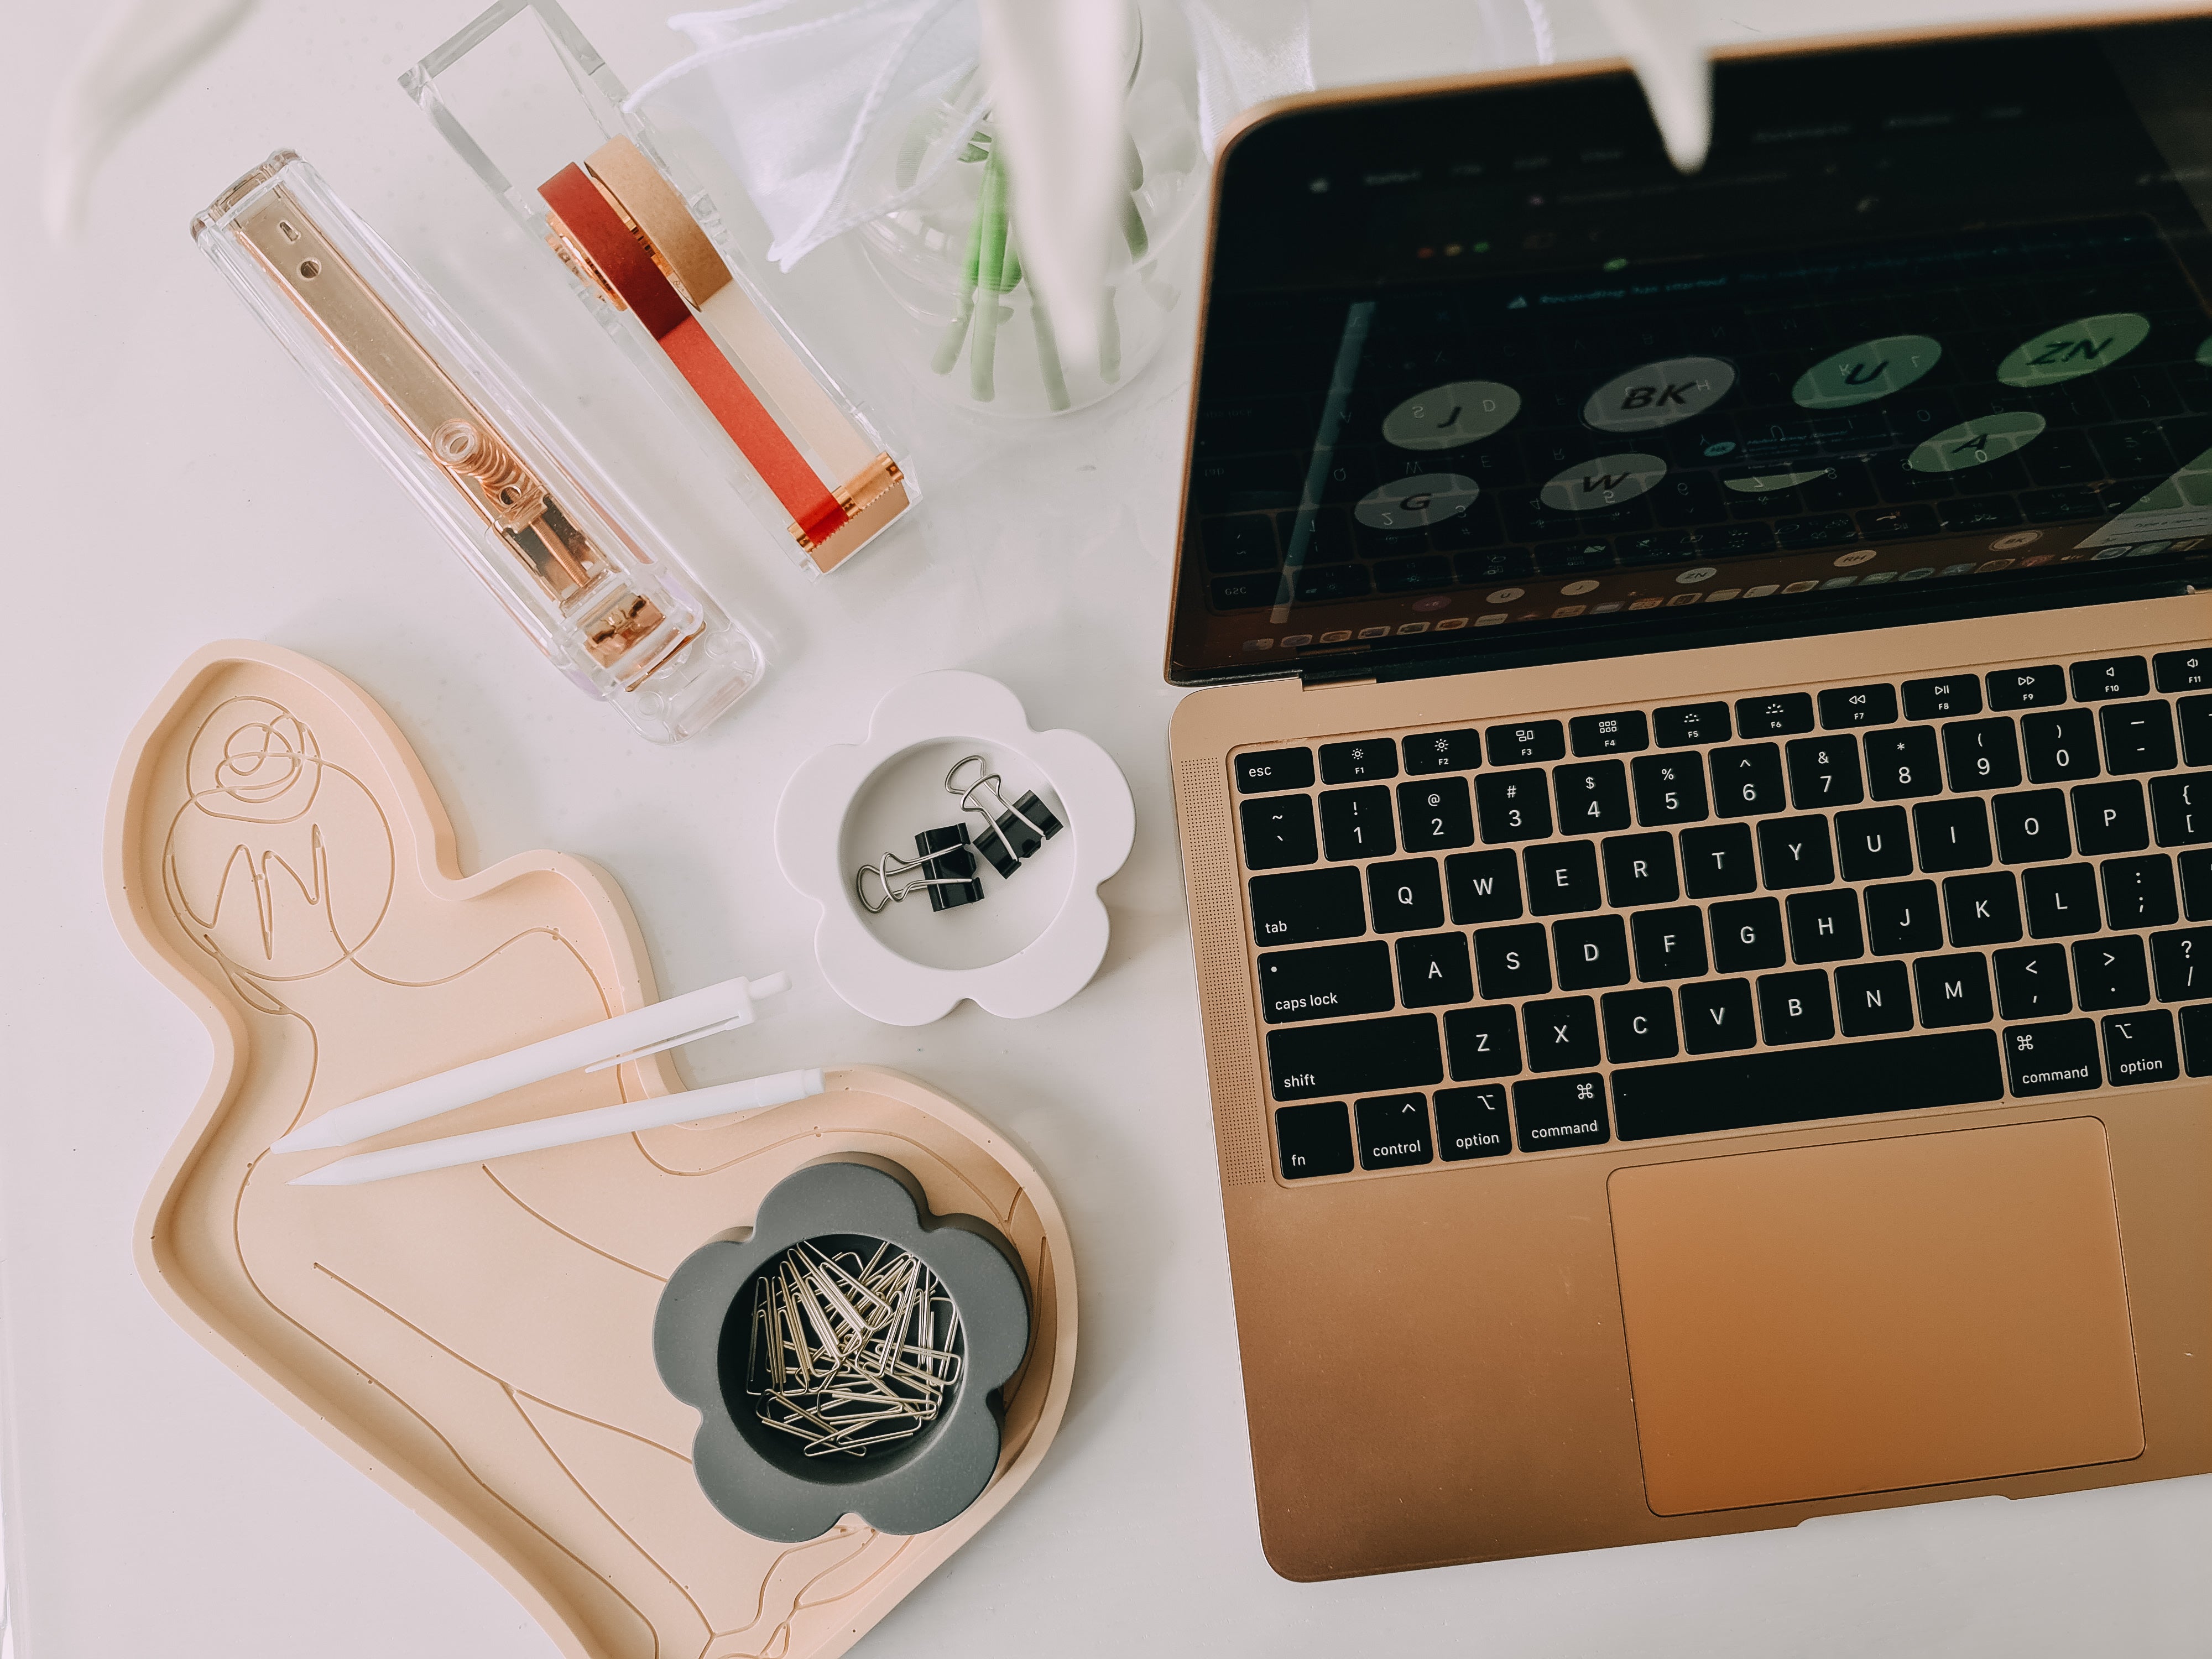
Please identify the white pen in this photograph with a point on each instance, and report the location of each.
(719, 1100)
(595, 1046)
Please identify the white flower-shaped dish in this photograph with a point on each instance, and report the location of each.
(1037, 936)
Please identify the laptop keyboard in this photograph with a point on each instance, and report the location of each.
(1671, 920)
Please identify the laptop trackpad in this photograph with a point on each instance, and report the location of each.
(1871, 1316)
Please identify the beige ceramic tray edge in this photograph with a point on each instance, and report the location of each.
(436, 857)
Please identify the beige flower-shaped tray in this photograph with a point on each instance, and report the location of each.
(479, 1340)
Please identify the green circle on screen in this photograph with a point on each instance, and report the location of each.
(1862, 373)
(1409, 503)
(1446, 416)
(1976, 443)
(1606, 481)
(2073, 349)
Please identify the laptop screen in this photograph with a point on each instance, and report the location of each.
(1480, 372)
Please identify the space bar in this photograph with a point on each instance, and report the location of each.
(1796, 1085)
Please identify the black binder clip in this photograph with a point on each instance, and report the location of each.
(945, 870)
(1011, 833)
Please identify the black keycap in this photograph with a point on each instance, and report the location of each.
(1473, 1123)
(1444, 751)
(1405, 898)
(1692, 722)
(2195, 715)
(2196, 1039)
(1874, 843)
(1717, 1015)
(2109, 973)
(1326, 983)
(1747, 779)
(1299, 910)
(1747, 935)
(1610, 734)
(2181, 964)
(2061, 901)
(2182, 670)
(2182, 810)
(1590, 953)
(1942, 699)
(2061, 744)
(1825, 772)
(1670, 789)
(1794, 1008)
(2196, 885)
(2032, 826)
(1793, 853)
(1432, 971)
(2138, 737)
(2139, 892)
(1982, 909)
(1562, 877)
(2139, 1048)
(1394, 1131)
(2104, 679)
(1902, 763)
(1825, 927)
(1314, 1140)
(1367, 761)
(1778, 717)
(1953, 990)
(1639, 870)
(1874, 998)
(1355, 823)
(1514, 806)
(1483, 887)
(1640, 1025)
(1512, 962)
(1483, 1042)
(1717, 862)
(2108, 817)
(1434, 814)
(1560, 1036)
(1982, 754)
(1274, 769)
(2057, 1059)
(2027, 688)
(1901, 918)
(1954, 834)
(1279, 831)
(1400, 1052)
(1804, 1086)
(1845, 706)
(2032, 982)
(1669, 944)
(1526, 743)
(1592, 797)
(1563, 1111)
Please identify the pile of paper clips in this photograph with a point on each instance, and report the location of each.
(1013, 834)
(849, 1352)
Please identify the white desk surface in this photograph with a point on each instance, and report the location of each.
(174, 479)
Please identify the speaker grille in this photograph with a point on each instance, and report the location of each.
(1225, 990)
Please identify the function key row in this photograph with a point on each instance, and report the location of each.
(1681, 726)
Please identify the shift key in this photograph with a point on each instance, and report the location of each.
(1359, 1056)
(1326, 983)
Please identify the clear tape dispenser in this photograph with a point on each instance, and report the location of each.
(534, 110)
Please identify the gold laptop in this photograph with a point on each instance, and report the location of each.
(1698, 821)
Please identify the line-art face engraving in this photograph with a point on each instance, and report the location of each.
(480, 1337)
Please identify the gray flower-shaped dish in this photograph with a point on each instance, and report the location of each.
(760, 1479)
